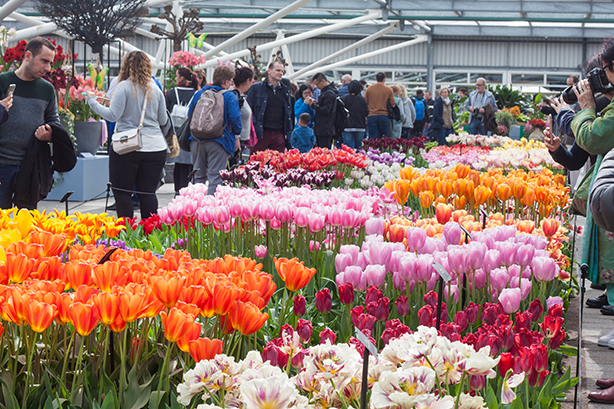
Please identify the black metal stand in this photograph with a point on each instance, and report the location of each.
(106, 200)
(365, 379)
(439, 301)
(192, 175)
(64, 200)
(578, 396)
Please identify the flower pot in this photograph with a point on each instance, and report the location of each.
(536, 135)
(88, 135)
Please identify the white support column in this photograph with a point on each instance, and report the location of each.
(10, 7)
(373, 15)
(288, 58)
(281, 34)
(419, 39)
(366, 40)
(256, 27)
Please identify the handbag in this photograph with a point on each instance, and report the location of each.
(168, 130)
(184, 133)
(131, 140)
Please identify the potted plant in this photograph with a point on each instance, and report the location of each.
(535, 129)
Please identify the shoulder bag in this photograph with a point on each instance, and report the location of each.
(130, 140)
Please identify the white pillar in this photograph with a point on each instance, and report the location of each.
(281, 34)
(256, 27)
(299, 37)
(10, 7)
(345, 50)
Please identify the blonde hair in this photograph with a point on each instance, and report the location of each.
(442, 88)
(402, 91)
(395, 89)
(202, 76)
(137, 68)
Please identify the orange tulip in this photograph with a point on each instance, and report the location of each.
(261, 282)
(84, 293)
(188, 308)
(64, 302)
(40, 315)
(293, 273)
(529, 198)
(445, 188)
(426, 199)
(34, 251)
(131, 306)
(194, 294)
(482, 194)
(415, 187)
(193, 333)
(431, 230)
(460, 202)
(526, 226)
(108, 307)
(247, 318)
(84, 317)
(53, 244)
(18, 267)
(8, 312)
(49, 269)
(550, 227)
(396, 233)
(520, 190)
(541, 194)
(469, 189)
(118, 325)
(402, 191)
(78, 274)
(460, 186)
(462, 170)
(407, 173)
(204, 348)
(504, 192)
(168, 289)
(106, 275)
(176, 324)
(224, 296)
(443, 212)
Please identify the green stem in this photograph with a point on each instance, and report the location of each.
(163, 373)
(66, 356)
(29, 365)
(75, 379)
(460, 390)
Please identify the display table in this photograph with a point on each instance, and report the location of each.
(88, 179)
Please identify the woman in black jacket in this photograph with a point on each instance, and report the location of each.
(356, 123)
(442, 123)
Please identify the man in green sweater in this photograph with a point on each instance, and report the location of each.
(34, 109)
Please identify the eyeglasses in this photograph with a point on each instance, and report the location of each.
(609, 67)
(480, 85)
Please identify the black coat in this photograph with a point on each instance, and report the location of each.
(35, 176)
(257, 98)
(325, 111)
(437, 120)
(356, 104)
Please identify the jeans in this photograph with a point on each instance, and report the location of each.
(138, 171)
(353, 139)
(378, 126)
(476, 127)
(273, 140)
(209, 157)
(405, 132)
(439, 135)
(8, 174)
(418, 127)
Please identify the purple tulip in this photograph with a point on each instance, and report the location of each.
(375, 274)
(544, 269)
(510, 300)
(416, 238)
(457, 258)
(508, 252)
(480, 278)
(350, 249)
(452, 233)
(491, 261)
(499, 279)
(524, 254)
(380, 253)
(525, 287)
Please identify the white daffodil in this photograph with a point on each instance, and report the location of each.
(507, 394)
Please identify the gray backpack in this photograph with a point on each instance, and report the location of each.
(208, 116)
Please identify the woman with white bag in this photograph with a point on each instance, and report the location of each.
(138, 148)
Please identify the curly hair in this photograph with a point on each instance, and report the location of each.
(137, 68)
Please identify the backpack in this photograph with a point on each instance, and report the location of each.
(341, 116)
(419, 107)
(180, 112)
(208, 117)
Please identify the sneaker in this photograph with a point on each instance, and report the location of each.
(611, 344)
(604, 341)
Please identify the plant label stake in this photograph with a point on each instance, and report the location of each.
(444, 277)
(467, 238)
(369, 348)
(64, 199)
(485, 217)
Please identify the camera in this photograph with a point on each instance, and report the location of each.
(598, 81)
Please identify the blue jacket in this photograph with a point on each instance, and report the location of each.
(303, 139)
(343, 90)
(572, 159)
(232, 118)
(256, 98)
(302, 108)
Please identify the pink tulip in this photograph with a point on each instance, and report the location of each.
(349, 218)
(189, 207)
(316, 222)
(475, 254)
(284, 213)
(205, 215)
(508, 252)
(266, 211)
(398, 282)
(480, 278)
(451, 290)
(342, 261)
(350, 249)
(510, 300)
(407, 267)
(260, 251)
(361, 261)
(395, 258)
(375, 226)
(442, 258)
(301, 217)
(236, 209)
(452, 233)
(539, 242)
(375, 275)
(457, 258)
(175, 211)
(499, 279)
(491, 261)
(430, 246)
(355, 276)
(544, 269)
(314, 246)
(275, 224)
(334, 216)
(379, 253)
(514, 272)
(525, 287)
(165, 216)
(524, 254)
(250, 210)
(430, 284)
(554, 301)
(416, 238)
(221, 215)
(424, 268)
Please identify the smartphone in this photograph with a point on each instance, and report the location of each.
(11, 89)
(549, 122)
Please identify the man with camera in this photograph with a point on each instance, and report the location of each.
(477, 102)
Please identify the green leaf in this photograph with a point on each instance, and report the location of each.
(136, 396)
(569, 351)
(11, 400)
(491, 398)
(156, 399)
(538, 98)
(517, 403)
(564, 384)
(109, 402)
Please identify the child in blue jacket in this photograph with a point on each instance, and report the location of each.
(303, 137)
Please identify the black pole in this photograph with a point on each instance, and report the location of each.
(578, 396)
(106, 200)
(464, 295)
(439, 301)
(573, 243)
(72, 57)
(365, 379)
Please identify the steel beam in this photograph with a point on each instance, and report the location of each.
(299, 37)
(10, 7)
(256, 27)
(343, 51)
(419, 39)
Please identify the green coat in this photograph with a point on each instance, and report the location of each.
(596, 136)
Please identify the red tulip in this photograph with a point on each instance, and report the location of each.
(324, 301)
(536, 310)
(204, 348)
(304, 329)
(327, 335)
(402, 304)
(379, 309)
(299, 304)
(506, 363)
(346, 294)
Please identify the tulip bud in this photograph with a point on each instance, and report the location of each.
(430, 298)
(510, 299)
(346, 294)
(426, 315)
(304, 329)
(373, 294)
(452, 233)
(327, 335)
(471, 312)
(314, 246)
(536, 310)
(270, 353)
(299, 305)
(402, 304)
(260, 251)
(379, 309)
(477, 382)
(460, 318)
(506, 363)
(324, 301)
